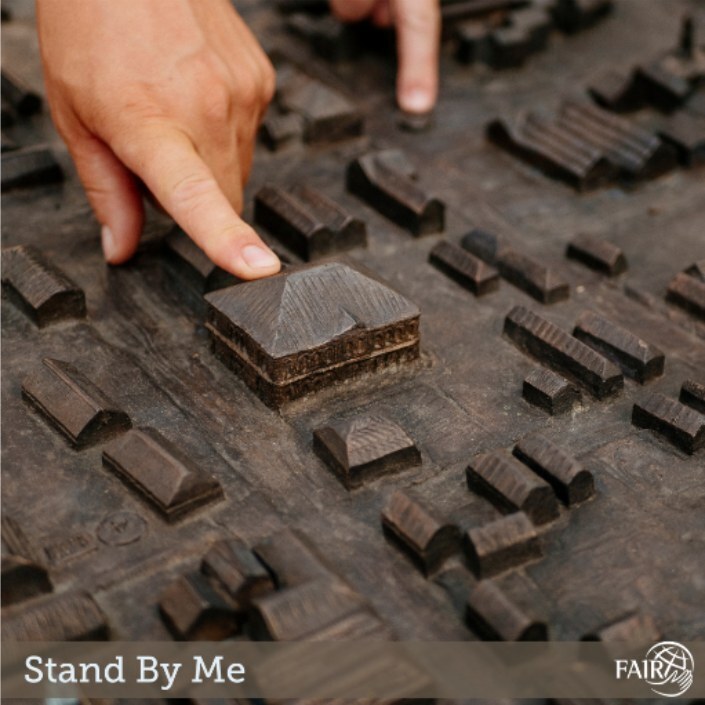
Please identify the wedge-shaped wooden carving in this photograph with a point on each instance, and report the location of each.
(328, 115)
(387, 182)
(562, 352)
(291, 559)
(192, 265)
(23, 572)
(194, 611)
(680, 424)
(494, 617)
(539, 142)
(302, 330)
(32, 166)
(597, 254)
(162, 474)
(43, 292)
(300, 611)
(637, 358)
(549, 391)
(688, 293)
(425, 537)
(686, 132)
(364, 447)
(307, 221)
(69, 616)
(73, 404)
(511, 486)
(502, 544)
(693, 395)
(616, 91)
(570, 480)
(464, 268)
(237, 570)
(540, 282)
(634, 151)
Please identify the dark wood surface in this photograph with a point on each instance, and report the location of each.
(118, 557)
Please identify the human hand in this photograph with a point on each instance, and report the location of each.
(169, 93)
(418, 25)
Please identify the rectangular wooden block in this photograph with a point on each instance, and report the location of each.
(560, 351)
(680, 424)
(73, 404)
(501, 545)
(38, 288)
(511, 486)
(571, 482)
(160, 472)
(29, 166)
(597, 254)
(548, 390)
(307, 221)
(637, 358)
(688, 293)
(464, 268)
(693, 395)
(378, 179)
(538, 281)
(426, 538)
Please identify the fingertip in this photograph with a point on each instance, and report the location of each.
(416, 100)
(352, 10)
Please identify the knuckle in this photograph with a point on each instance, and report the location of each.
(189, 191)
(217, 102)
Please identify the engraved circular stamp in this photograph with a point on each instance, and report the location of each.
(122, 528)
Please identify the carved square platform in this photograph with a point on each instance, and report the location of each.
(305, 329)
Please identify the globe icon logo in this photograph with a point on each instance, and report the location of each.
(672, 670)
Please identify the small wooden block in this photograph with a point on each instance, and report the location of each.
(697, 270)
(637, 358)
(464, 268)
(560, 351)
(69, 616)
(192, 264)
(194, 611)
(688, 293)
(73, 404)
(597, 254)
(549, 391)
(494, 617)
(502, 544)
(291, 559)
(160, 472)
(308, 222)
(693, 395)
(425, 538)
(365, 447)
(511, 486)
(680, 424)
(377, 179)
(300, 611)
(38, 288)
(532, 277)
(281, 131)
(237, 570)
(571, 482)
(328, 115)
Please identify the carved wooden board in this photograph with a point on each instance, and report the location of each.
(484, 420)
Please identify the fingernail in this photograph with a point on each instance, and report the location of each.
(108, 240)
(416, 101)
(259, 257)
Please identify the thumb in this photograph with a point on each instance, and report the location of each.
(114, 196)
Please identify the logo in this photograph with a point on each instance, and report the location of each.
(667, 668)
